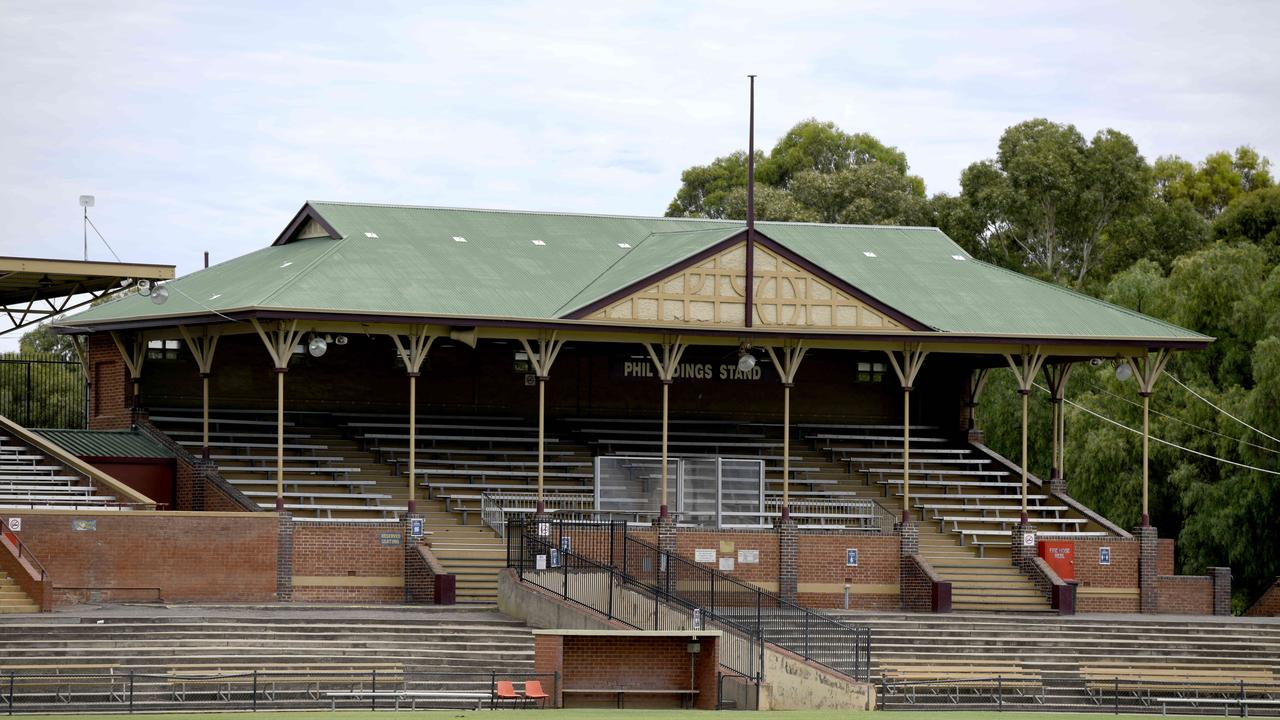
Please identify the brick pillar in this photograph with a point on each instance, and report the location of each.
(410, 550)
(788, 558)
(1221, 577)
(666, 527)
(1148, 571)
(1023, 556)
(284, 558)
(908, 537)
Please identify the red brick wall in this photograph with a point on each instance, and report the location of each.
(548, 659)
(344, 562)
(1122, 573)
(1184, 595)
(765, 542)
(1269, 604)
(590, 662)
(1164, 557)
(822, 560)
(110, 392)
(180, 557)
(420, 571)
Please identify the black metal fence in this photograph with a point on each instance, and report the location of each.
(42, 391)
(1089, 692)
(331, 687)
(630, 573)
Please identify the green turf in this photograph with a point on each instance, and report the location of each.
(635, 715)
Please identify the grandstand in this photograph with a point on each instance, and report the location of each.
(374, 408)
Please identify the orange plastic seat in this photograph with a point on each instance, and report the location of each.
(505, 690)
(533, 691)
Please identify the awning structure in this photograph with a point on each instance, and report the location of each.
(32, 289)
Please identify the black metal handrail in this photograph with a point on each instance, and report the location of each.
(713, 594)
(546, 561)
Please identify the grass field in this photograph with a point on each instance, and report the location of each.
(638, 715)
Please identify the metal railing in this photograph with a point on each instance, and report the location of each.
(117, 690)
(23, 552)
(707, 593)
(547, 561)
(43, 391)
(497, 508)
(1030, 691)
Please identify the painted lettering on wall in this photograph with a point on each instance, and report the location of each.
(640, 369)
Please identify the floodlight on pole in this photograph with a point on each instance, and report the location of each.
(159, 294)
(86, 202)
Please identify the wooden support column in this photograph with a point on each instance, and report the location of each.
(1025, 369)
(666, 366)
(202, 348)
(1056, 378)
(1147, 370)
(279, 342)
(977, 381)
(134, 356)
(419, 342)
(913, 355)
(541, 361)
(787, 365)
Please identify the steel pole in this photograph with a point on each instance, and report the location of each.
(280, 438)
(1026, 394)
(413, 438)
(1146, 436)
(786, 451)
(662, 507)
(906, 454)
(542, 427)
(204, 390)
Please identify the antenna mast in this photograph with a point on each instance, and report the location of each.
(86, 202)
(751, 202)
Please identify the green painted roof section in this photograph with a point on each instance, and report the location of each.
(106, 443)
(406, 261)
(915, 271)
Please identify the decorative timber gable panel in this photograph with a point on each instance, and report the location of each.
(713, 292)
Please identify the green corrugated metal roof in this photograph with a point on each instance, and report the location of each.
(414, 266)
(107, 443)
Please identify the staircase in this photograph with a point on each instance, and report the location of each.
(12, 598)
(30, 479)
(472, 552)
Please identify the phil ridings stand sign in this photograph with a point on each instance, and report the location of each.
(630, 367)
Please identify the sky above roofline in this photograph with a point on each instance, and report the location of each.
(201, 127)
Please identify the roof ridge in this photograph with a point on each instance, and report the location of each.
(1092, 299)
(305, 270)
(616, 216)
(573, 304)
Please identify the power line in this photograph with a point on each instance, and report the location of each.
(1224, 412)
(1103, 390)
(1161, 441)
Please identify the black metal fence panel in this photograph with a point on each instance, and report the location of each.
(600, 566)
(42, 392)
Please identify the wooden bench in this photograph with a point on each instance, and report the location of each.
(956, 520)
(342, 482)
(950, 680)
(686, 696)
(162, 419)
(1174, 681)
(65, 679)
(269, 677)
(271, 446)
(469, 700)
(230, 436)
(873, 438)
(438, 426)
(270, 470)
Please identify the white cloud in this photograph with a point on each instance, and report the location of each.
(205, 127)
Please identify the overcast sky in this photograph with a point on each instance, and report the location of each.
(205, 126)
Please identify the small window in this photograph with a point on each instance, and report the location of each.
(870, 372)
(163, 349)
